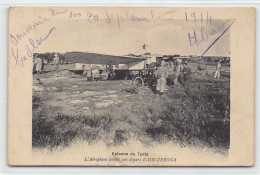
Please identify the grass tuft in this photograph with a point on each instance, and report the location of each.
(198, 114)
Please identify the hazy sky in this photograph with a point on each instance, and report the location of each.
(165, 37)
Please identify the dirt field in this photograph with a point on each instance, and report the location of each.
(68, 108)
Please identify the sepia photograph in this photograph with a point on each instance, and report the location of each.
(159, 78)
(151, 87)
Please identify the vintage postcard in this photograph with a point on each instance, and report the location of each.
(131, 86)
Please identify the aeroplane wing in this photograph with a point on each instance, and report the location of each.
(93, 58)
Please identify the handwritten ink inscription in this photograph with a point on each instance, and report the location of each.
(54, 12)
(21, 53)
(16, 38)
(195, 17)
(29, 48)
(197, 37)
(118, 18)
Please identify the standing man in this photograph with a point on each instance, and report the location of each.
(217, 73)
(105, 74)
(84, 70)
(161, 74)
(170, 67)
(56, 62)
(38, 62)
(89, 70)
(184, 77)
(95, 73)
(178, 70)
(111, 75)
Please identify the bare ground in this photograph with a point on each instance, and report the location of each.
(68, 108)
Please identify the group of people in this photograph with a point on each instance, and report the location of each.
(96, 73)
(91, 74)
(181, 74)
(38, 64)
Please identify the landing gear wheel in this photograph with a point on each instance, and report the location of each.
(138, 82)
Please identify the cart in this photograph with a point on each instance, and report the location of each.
(146, 76)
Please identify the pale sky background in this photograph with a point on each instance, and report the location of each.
(169, 37)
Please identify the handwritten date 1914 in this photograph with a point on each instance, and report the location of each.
(198, 17)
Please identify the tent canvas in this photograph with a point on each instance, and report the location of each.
(93, 58)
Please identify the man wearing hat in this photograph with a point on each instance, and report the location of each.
(161, 74)
(178, 70)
